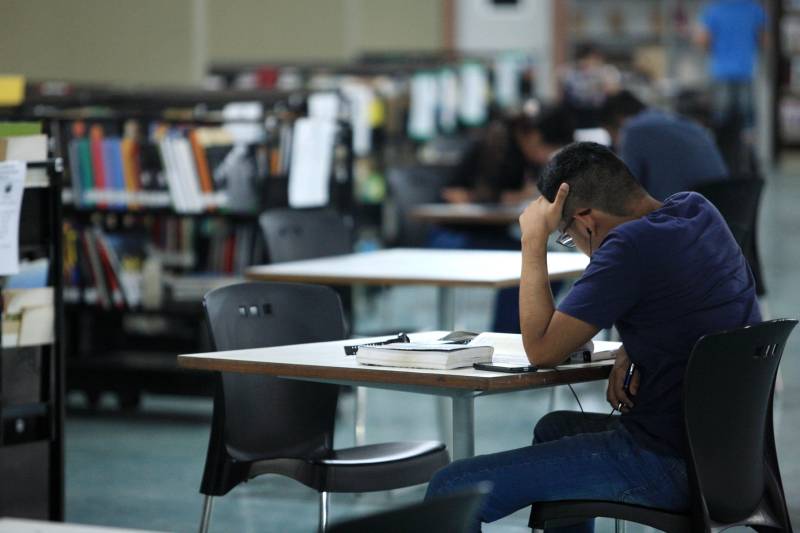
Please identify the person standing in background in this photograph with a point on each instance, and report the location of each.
(667, 153)
(732, 31)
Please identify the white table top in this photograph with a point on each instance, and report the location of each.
(418, 266)
(326, 361)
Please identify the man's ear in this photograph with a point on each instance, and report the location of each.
(586, 218)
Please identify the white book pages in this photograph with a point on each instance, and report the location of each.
(189, 178)
(312, 158)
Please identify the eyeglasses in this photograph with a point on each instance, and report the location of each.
(564, 239)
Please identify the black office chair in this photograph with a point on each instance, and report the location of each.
(738, 200)
(267, 425)
(410, 186)
(454, 513)
(296, 234)
(733, 466)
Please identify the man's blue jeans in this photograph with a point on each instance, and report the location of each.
(574, 456)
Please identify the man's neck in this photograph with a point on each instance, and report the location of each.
(644, 206)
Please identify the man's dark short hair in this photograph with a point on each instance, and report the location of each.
(597, 179)
(619, 107)
(555, 124)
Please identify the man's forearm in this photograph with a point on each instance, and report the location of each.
(536, 306)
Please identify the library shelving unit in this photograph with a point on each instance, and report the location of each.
(32, 376)
(784, 20)
(136, 262)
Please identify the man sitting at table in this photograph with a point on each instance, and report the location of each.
(664, 274)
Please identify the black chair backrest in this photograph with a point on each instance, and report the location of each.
(296, 234)
(268, 417)
(455, 513)
(410, 186)
(738, 200)
(728, 401)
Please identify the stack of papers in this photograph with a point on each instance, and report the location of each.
(437, 356)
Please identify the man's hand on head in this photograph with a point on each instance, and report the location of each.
(541, 217)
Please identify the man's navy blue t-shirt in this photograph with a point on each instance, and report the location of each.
(665, 280)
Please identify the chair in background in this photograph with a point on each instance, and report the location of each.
(266, 425)
(296, 234)
(733, 467)
(410, 186)
(738, 201)
(455, 513)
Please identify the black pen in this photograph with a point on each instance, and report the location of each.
(627, 382)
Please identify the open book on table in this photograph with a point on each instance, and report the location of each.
(508, 349)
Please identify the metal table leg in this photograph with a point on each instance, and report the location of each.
(463, 426)
(446, 308)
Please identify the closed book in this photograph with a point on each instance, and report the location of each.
(112, 157)
(130, 169)
(436, 356)
(98, 161)
(85, 166)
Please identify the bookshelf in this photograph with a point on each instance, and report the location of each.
(784, 20)
(138, 256)
(32, 374)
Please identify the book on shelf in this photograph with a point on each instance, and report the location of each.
(103, 269)
(28, 317)
(28, 148)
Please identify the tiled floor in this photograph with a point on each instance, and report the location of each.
(143, 470)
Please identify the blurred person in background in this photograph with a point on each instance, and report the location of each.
(586, 83)
(503, 167)
(732, 31)
(666, 152)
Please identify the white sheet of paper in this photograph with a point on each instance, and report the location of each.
(312, 157)
(473, 94)
(323, 105)
(12, 185)
(506, 81)
(422, 106)
(360, 97)
(448, 100)
(595, 135)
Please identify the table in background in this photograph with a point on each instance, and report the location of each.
(444, 269)
(467, 214)
(325, 362)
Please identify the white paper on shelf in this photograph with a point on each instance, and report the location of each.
(506, 80)
(422, 106)
(12, 185)
(323, 105)
(312, 157)
(448, 100)
(360, 97)
(473, 94)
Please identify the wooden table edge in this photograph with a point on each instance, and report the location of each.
(399, 377)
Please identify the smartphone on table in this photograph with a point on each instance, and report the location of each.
(511, 368)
